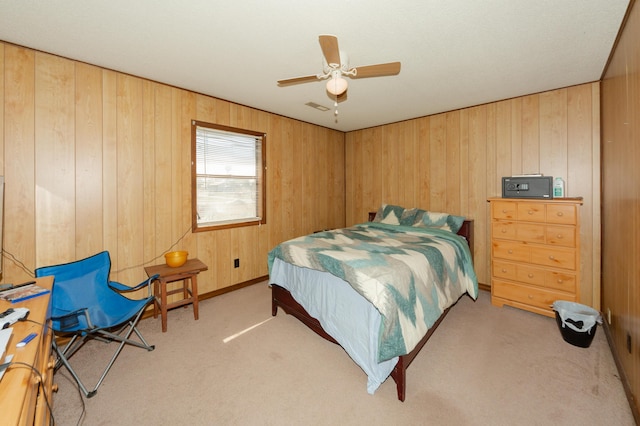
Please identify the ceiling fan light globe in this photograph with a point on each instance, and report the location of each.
(337, 86)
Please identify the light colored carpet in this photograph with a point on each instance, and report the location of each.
(483, 366)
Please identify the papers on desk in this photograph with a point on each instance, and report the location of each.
(23, 292)
(5, 335)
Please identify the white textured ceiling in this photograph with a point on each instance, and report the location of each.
(454, 53)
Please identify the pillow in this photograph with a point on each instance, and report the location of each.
(448, 222)
(389, 214)
(408, 217)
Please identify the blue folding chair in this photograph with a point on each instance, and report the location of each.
(86, 305)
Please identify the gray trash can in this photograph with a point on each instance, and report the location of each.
(577, 323)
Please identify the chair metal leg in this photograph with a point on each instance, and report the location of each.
(76, 342)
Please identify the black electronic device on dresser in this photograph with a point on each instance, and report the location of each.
(527, 187)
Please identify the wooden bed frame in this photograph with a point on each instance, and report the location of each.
(281, 297)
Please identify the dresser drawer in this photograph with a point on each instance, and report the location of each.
(555, 257)
(503, 210)
(504, 270)
(511, 251)
(504, 230)
(561, 281)
(530, 275)
(561, 235)
(531, 212)
(533, 296)
(562, 213)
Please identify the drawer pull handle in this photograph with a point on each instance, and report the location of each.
(504, 210)
(510, 251)
(503, 230)
(530, 296)
(530, 275)
(530, 212)
(560, 214)
(551, 257)
(560, 280)
(559, 236)
(503, 270)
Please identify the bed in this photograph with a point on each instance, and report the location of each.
(380, 288)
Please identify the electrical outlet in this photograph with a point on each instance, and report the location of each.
(236, 263)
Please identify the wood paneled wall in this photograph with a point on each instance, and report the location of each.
(454, 161)
(94, 159)
(621, 200)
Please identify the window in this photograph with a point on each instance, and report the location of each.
(228, 187)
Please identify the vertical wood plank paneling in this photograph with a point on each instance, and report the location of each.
(372, 139)
(2, 100)
(595, 193)
(362, 192)
(186, 102)
(54, 159)
(149, 255)
(437, 163)
(296, 199)
(423, 134)
(452, 162)
(110, 166)
(391, 164)
(88, 159)
(516, 137)
(579, 125)
(129, 178)
(500, 165)
(307, 185)
(465, 175)
(478, 187)
(553, 133)
(274, 164)
(19, 166)
(492, 180)
(351, 140)
(620, 122)
(530, 160)
(406, 140)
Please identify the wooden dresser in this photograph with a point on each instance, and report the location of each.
(26, 396)
(535, 252)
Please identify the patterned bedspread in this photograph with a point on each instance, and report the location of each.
(411, 275)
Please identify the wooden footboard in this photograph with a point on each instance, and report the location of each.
(281, 297)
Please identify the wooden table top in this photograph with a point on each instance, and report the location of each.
(16, 382)
(192, 266)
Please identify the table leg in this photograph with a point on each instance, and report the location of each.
(194, 294)
(156, 302)
(163, 304)
(185, 288)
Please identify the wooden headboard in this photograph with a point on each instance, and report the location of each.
(466, 230)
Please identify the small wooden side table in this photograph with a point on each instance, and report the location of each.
(187, 272)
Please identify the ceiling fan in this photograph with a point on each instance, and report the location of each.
(336, 67)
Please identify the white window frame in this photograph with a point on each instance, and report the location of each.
(209, 212)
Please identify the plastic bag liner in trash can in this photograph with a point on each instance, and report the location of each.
(577, 323)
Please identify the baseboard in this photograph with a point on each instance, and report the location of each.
(633, 403)
(484, 287)
(149, 312)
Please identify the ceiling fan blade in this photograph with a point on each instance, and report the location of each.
(329, 45)
(297, 80)
(391, 68)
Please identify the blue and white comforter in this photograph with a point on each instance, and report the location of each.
(411, 275)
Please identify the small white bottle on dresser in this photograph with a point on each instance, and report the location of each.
(558, 188)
